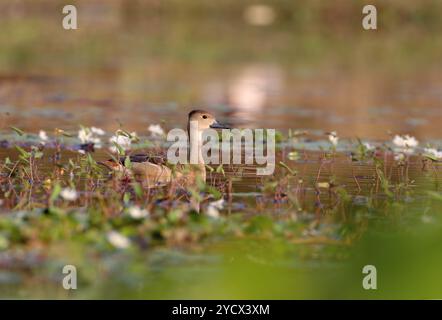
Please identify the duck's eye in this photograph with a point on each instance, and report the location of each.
(204, 117)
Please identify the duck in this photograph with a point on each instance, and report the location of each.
(154, 171)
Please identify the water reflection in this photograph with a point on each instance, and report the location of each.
(249, 93)
(138, 63)
(252, 90)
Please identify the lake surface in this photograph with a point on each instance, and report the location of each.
(152, 64)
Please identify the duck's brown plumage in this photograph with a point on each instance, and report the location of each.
(153, 171)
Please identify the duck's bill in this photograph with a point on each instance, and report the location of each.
(217, 125)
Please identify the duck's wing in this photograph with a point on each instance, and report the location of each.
(140, 158)
(152, 175)
(134, 159)
(148, 169)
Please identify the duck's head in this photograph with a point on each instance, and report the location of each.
(205, 120)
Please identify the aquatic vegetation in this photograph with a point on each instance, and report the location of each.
(214, 207)
(69, 194)
(433, 154)
(405, 144)
(156, 130)
(91, 135)
(333, 138)
(43, 136)
(118, 240)
(137, 213)
(122, 141)
(320, 204)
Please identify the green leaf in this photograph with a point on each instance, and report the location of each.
(138, 190)
(384, 182)
(294, 155)
(214, 191)
(4, 242)
(292, 172)
(127, 162)
(38, 155)
(279, 137)
(126, 198)
(431, 157)
(435, 195)
(18, 131)
(91, 161)
(119, 148)
(55, 193)
(23, 152)
(220, 169)
(63, 133)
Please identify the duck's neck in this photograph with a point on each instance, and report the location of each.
(196, 143)
(196, 154)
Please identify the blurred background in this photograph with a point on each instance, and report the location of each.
(270, 64)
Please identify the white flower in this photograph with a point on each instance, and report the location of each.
(84, 135)
(43, 136)
(212, 212)
(137, 213)
(219, 204)
(399, 156)
(404, 145)
(214, 207)
(433, 153)
(133, 136)
(98, 131)
(333, 138)
(87, 135)
(123, 142)
(156, 130)
(368, 146)
(405, 141)
(118, 240)
(69, 194)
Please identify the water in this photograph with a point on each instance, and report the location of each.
(138, 69)
(312, 179)
(247, 96)
(136, 63)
